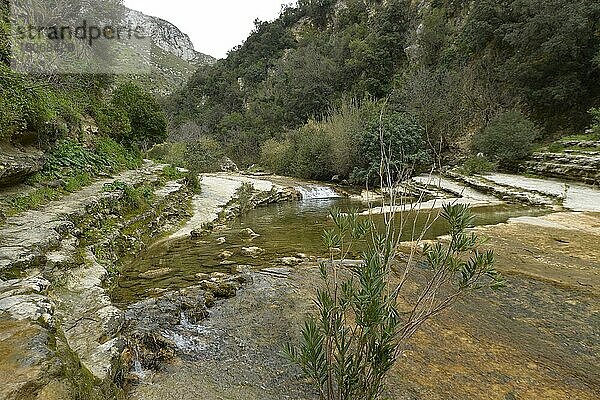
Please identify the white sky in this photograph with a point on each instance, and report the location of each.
(215, 26)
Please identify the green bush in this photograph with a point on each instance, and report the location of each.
(404, 147)
(147, 120)
(24, 106)
(115, 156)
(135, 198)
(364, 318)
(169, 153)
(595, 113)
(275, 156)
(36, 106)
(204, 155)
(77, 182)
(346, 125)
(507, 140)
(172, 173)
(312, 150)
(193, 182)
(477, 165)
(69, 158)
(113, 122)
(244, 195)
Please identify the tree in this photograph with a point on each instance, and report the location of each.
(507, 140)
(402, 138)
(300, 86)
(546, 51)
(147, 120)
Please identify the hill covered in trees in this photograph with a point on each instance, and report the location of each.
(303, 95)
(64, 129)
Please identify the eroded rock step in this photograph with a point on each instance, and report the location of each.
(55, 315)
(505, 192)
(26, 238)
(581, 166)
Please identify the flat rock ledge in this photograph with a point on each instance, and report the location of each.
(59, 331)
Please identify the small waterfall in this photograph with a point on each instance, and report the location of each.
(137, 368)
(189, 338)
(311, 192)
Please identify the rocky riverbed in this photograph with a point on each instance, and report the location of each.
(535, 339)
(209, 300)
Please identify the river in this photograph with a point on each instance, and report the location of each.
(538, 338)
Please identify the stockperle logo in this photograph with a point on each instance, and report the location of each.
(77, 36)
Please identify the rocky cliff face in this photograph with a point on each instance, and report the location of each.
(174, 58)
(583, 166)
(168, 38)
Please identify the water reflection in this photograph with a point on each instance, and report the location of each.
(285, 229)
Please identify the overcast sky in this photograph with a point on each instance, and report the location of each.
(215, 26)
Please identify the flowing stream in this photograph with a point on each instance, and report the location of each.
(285, 229)
(236, 352)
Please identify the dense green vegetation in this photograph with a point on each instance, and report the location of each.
(87, 125)
(507, 139)
(448, 68)
(71, 166)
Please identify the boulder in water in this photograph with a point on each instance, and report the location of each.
(156, 273)
(290, 261)
(149, 320)
(252, 251)
(249, 234)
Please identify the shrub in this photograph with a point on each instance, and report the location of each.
(170, 153)
(361, 325)
(595, 113)
(244, 195)
(77, 182)
(477, 165)
(115, 156)
(507, 140)
(172, 173)
(24, 107)
(204, 155)
(312, 153)
(404, 147)
(134, 198)
(346, 125)
(275, 156)
(193, 182)
(113, 122)
(35, 106)
(69, 156)
(148, 122)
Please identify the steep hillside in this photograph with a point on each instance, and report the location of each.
(452, 67)
(174, 58)
(47, 120)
